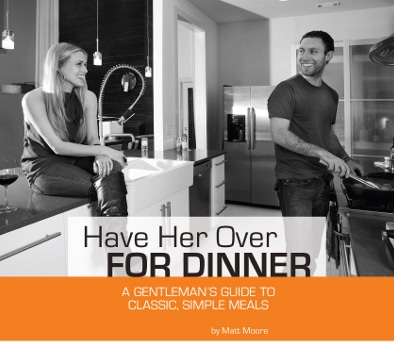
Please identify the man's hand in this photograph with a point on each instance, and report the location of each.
(355, 168)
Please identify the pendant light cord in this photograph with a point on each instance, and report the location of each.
(7, 14)
(97, 24)
(147, 29)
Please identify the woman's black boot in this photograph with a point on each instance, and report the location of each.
(111, 194)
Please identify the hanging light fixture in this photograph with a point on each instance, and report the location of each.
(148, 69)
(97, 56)
(7, 35)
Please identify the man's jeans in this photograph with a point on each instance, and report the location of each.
(304, 197)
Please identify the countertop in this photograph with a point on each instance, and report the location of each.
(197, 156)
(34, 207)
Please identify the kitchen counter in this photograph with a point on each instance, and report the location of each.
(34, 207)
(364, 228)
(197, 156)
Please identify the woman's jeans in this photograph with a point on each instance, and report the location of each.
(304, 197)
(67, 177)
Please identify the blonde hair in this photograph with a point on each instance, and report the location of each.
(57, 56)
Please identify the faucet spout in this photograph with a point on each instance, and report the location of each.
(128, 113)
(120, 135)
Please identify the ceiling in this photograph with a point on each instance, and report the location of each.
(225, 11)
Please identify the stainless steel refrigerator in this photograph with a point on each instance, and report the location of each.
(250, 155)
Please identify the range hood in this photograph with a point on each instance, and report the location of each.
(383, 52)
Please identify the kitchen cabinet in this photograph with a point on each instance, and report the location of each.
(40, 249)
(93, 260)
(365, 118)
(74, 235)
(175, 205)
(218, 184)
(37, 249)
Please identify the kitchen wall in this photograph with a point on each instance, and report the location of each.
(16, 66)
(166, 75)
(285, 32)
(185, 50)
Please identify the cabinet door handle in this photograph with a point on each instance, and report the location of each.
(220, 211)
(222, 162)
(28, 246)
(348, 259)
(221, 184)
(168, 209)
(163, 210)
(167, 224)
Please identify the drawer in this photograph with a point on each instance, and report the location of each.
(218, 169)
(35, 250)
(218, 201)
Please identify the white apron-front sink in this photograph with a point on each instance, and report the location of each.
(149, 181)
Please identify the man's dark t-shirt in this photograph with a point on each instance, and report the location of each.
(311, 111)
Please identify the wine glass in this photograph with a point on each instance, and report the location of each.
(9, 173)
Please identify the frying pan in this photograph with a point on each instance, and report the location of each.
(356, 190)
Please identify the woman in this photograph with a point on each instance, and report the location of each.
(62, 154)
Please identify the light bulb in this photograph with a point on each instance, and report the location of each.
(97, 58)
(7, 40)
(148, 71)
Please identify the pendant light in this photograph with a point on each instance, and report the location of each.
(148, 69)
(97, 56)
(7, 35)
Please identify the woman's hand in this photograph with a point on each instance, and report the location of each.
(102, 165)
(115, 155)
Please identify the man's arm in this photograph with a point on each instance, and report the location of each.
(282, 136)
(336, 148)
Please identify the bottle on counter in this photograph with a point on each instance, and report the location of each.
(185, 145)
(392, 157)
(387, 164)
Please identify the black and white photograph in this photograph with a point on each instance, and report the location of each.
(173, 142)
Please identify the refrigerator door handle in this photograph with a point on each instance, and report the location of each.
(253, 129)
(249, 135)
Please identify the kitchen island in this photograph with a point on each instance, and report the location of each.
(35, 239)
(34, 207)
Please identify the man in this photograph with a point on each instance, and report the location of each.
(302, 111)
